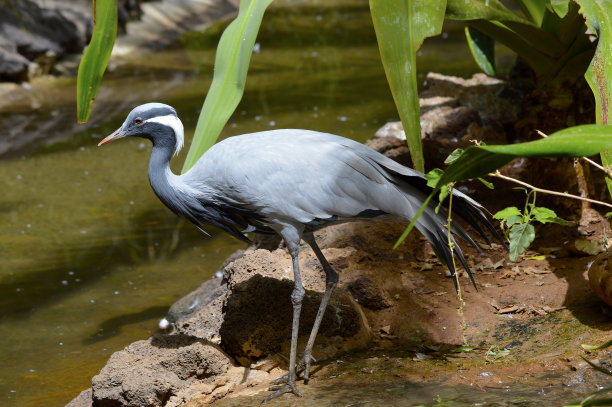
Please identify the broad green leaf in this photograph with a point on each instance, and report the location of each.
(540, 62)
(546, 215)
(513, 220)
(534, 9)
(577, 141)
(480, 10)
(598, 14)
(507, 212)
(401, 26)
(521, 235)
(560, 7)
(482, 48)
(433, 177)
(231, 66)
(96, 56)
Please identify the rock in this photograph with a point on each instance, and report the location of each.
(84, 399)
(481, 93)
(156, 371)
(454, 111)
(29, 31)
(600, 278)
(258, 310)
(368, 294)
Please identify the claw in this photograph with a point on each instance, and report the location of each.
(301, 367)
(280, 390)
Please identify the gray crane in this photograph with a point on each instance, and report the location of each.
(293, 182)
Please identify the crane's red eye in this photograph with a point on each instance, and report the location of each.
(138, 121)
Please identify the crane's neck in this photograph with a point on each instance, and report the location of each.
(163, 181)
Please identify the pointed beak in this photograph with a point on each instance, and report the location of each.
(117, 134)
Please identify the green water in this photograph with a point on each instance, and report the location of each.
(90, 259)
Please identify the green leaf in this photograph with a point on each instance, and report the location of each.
(534, 9)
(463, 349)
(507, 212)
(597, 347)
(546, 215)
(598, 15)
(486, 183)
(482, 48)
(433, 177)
(231, 66)
(521, 235)
(401, 26)
(598, 368)
(453, 156)
(96, 56)
(578, 141)
(560, 7)
(491, 10)
(513, 220)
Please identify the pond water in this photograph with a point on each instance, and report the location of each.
(90, 259)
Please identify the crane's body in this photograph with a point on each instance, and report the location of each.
(292, 182)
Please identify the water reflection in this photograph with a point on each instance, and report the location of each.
(90, 258)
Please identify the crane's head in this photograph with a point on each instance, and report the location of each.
(155, 121)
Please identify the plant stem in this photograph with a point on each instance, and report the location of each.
(455, 274)
(548, 191)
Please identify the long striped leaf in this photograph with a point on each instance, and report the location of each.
(231, 66)
(96, 56)
(598, 15)
(401, 26)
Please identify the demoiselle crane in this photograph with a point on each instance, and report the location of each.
(293, 182)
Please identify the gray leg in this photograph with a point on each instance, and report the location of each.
(331, 280)
(296, 299)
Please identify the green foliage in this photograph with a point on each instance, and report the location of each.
(231, 66)
(401, 26)
(478, 161)
(495, 353)
(577, 141)
(98, 52)
(482, 48)
(518, 228)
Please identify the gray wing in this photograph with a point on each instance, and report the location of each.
(289, 176)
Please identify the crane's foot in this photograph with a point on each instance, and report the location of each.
(302, 366)
(289, 387)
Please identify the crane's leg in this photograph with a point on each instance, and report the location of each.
(296, 299)
(331, 280)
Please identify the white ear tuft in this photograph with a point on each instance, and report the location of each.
(176, 125)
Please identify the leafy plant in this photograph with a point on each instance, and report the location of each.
(495, 353)
(593, 399)
(518, 226)
(479, 161)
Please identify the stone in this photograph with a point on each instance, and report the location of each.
(155, 371)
